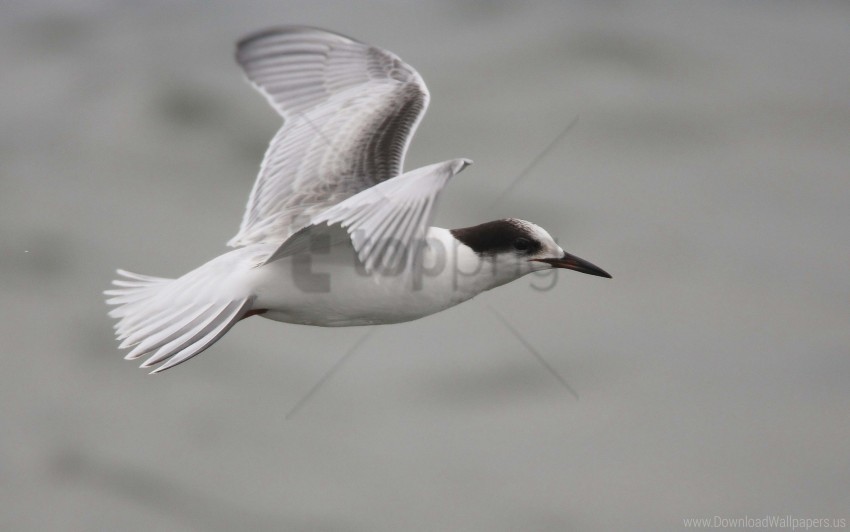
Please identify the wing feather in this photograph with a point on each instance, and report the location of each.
(349, 110)
(385, 223)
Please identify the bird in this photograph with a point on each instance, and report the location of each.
(335, 233)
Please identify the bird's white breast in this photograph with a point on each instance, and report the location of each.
(330, 288)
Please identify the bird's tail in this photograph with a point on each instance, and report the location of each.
(171, 320)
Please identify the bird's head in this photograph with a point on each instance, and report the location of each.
(517, 247)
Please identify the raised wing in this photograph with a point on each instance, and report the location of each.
(386, 223)
(349, 112)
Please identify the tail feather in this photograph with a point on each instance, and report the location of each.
(170, 320)
(140, 323)
(133, 331)
(133, 334)
(168, 328)
(205, 337)
(143, 278)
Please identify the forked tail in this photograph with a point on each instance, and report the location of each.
(169, 320)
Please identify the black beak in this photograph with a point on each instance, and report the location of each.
(571, 262)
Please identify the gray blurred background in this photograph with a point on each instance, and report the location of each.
(708, 172)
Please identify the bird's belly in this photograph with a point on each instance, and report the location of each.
(335, 293)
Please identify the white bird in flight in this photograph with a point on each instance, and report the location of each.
(334, 234)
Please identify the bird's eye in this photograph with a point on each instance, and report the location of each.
(521, 244)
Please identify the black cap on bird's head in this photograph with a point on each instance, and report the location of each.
(524, 240)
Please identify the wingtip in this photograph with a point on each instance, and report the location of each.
(457, 165)
(463, 163)
(282, 30)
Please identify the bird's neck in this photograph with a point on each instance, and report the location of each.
(468, 272)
